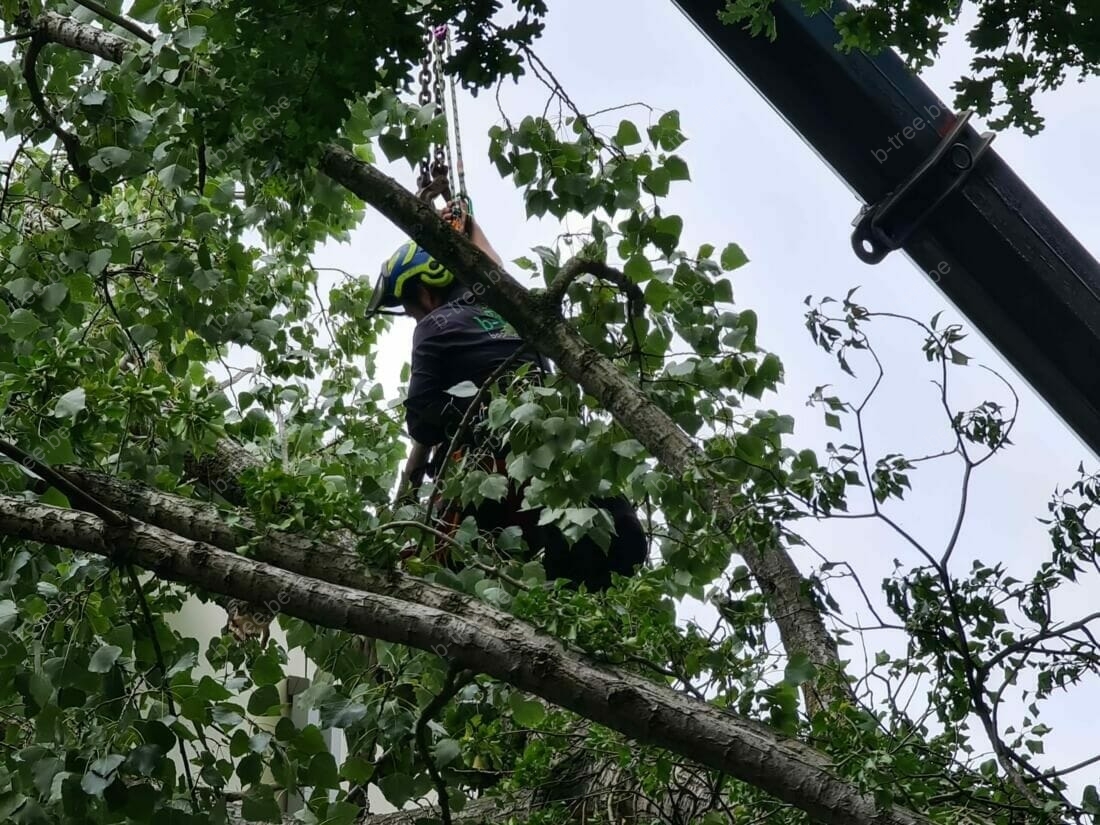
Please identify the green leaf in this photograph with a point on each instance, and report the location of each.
(464, 389)
(145, 11)
(658, 181)
(1090, 801)
(322, 771)
(266, 670)
(109, 157)
(678, 170)
(227, 716)
(101, 773)
(357, 769)
(98, 261)
(397, 788)
(54, 295)
(250, 769)
(627, 135)
(732, 257)
(446, 752)
(527, 713)
(630, 448)
(144, 759)
(310, 740)
(494, 487)
(44, 771)
(799, 670)
(259, 805)
(638, 268)
(174, 175)
(527, 412)
(70, 403)
(104, 659)
(20, 324)
(9, 614)
(190, 38)
(342, 713)
(264, 701)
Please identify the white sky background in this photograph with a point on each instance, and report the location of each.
(756, 183)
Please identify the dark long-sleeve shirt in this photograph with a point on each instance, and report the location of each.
(460, 341)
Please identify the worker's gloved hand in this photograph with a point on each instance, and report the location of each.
(456, 215)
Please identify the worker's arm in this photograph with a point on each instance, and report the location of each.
(424, 403)
(480, 241)
(413, 475)
(476, 235)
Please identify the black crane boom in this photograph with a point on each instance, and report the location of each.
(968, 222)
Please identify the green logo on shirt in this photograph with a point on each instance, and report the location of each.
(491, 321)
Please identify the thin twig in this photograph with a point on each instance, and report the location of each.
(457, 678)
(126, 330)
(148, 615)
(17, 36)
(77, 497)
(117, 19)
(68, 140)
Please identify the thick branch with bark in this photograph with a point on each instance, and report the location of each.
(84, 38)
(497, 645)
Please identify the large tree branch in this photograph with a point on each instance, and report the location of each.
(499, 646)
(68, 140)
(84, 38)
(537, 318)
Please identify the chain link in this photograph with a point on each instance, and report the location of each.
(442, 160)
(425, 178)
(442, 164)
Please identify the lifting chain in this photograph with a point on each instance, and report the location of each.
(424, 179)
(436, 178)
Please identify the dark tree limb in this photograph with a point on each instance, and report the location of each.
(575, 267)
(455, 681)
(76, 495)
(68, 140)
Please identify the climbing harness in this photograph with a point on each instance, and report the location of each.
(441, 170)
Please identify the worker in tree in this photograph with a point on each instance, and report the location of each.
(458, 338)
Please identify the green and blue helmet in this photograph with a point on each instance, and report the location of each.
(408, 264)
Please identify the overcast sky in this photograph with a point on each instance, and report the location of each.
(755, 182)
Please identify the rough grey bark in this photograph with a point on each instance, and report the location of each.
(68, 32)
(536, 316)
(220, 469)
(493, 643)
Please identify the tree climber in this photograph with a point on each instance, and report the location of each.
(458, 338)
